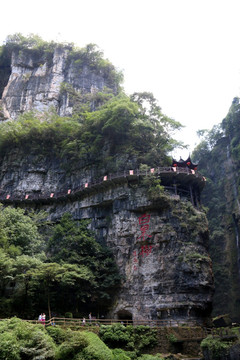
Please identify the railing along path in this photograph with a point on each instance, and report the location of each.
(229, 333)
(105, 181)
(76, 322)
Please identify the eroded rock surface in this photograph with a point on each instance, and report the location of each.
(36, 83)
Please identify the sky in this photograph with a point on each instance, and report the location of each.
(186, 52)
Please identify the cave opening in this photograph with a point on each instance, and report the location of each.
(125, 316)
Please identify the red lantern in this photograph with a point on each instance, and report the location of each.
(188, 163)
(175, 165)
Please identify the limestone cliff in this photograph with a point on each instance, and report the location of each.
(36, 81)
(219, 161)
(160, 245)
(159, 242)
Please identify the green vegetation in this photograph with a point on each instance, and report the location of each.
(197, 256)
(192, 220)
(151, 357)
(129, 338)
(116, 133)
(20, 340)
(153, 184)
(19, 233)
(216, 348)
(120, 354)
(64, 271)
(172, 338)
(83, 345)
(96, 349)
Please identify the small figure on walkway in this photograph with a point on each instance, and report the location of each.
(43, 318)
(40, 318)
(90, 317)
(84, 321)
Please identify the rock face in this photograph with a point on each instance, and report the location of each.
(167, 270)
(159, 245)
(35, 82)
(222, 172)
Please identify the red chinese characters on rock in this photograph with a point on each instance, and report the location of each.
(135, 260)
(143, 221)
(146, 248)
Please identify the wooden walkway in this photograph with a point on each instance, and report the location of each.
(183, 330)
(186, 325)
(178, 176)
(68, 322)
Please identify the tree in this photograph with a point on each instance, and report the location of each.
(64, 279)
(73, 243)
(18, 233)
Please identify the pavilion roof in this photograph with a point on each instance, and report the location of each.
(184, 163)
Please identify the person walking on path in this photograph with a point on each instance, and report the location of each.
(43, 318)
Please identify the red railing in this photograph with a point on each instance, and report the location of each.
(104, 181)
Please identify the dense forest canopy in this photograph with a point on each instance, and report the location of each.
(119, 128)
(46, 266)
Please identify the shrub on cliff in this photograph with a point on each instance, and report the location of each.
(120, 127)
